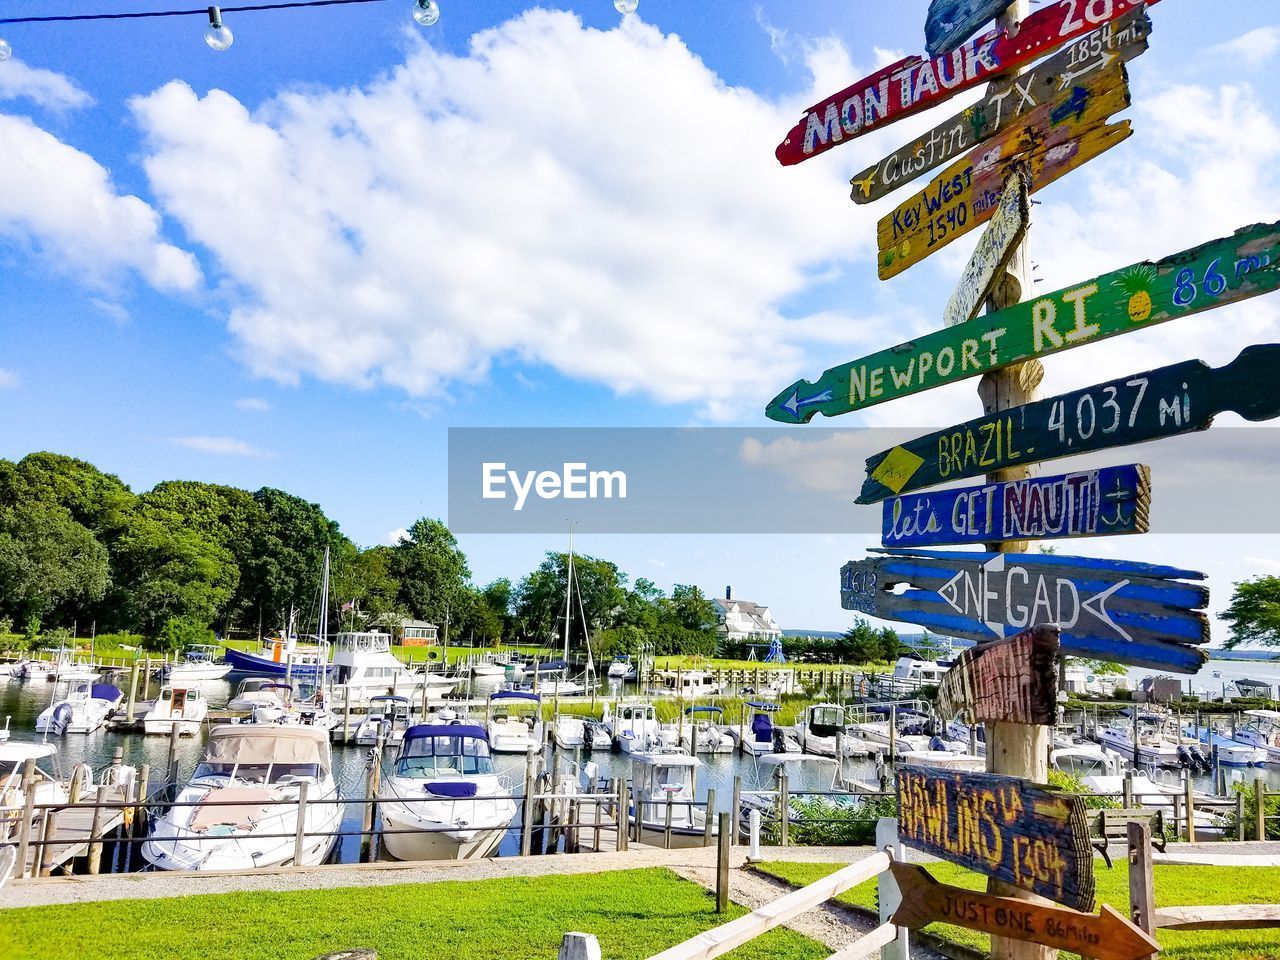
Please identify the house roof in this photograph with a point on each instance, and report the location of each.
(753, 616)
(417, 623)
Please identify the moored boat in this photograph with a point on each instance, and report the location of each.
(514, 726)
(180, 705)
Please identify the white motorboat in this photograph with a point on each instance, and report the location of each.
(569, 731)
(874, 737)
(634, 727)
(1154, 746)
(48, 788)
(620, 669)
(489, 671)
(561, 688)
(365, 667)
(1087, 760)
(442, 799)
(180, 705)
(910, 674)
(62, 666)
(387, 720)
(200, 662)
(1231, 753)
(703, 732)
(762, 736)
(803, 771)
(662, 785)
(1260, 728)
(241, 805)
(689, 684)
(262, 698)
(596, 736)
(513, 726)
(85, 709)
(820, 728)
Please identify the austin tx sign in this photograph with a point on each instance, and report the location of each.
(1181, 398)
(1136, 613)
(1005, 681)
(1004, 827)
(1120, 41)
(1091, 503)
(914, 84)
(1224, 271)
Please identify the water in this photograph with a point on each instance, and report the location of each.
(23, 702)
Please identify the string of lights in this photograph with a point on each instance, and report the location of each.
(219, 36)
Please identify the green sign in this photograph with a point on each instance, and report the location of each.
(1224, 271)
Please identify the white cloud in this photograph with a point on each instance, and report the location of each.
(1270, 564)
(395, 536)
(118, 314)
(44, 87)
(62, 201)
(220, 446)
(1254, 48)
(9, 380)
(253, 405)
(621, 220)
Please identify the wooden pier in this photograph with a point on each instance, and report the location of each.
(69, 832)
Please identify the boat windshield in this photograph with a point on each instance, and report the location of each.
(256, 773)
(433, 756)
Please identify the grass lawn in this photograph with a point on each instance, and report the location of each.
(1175, 886)
(635, 914)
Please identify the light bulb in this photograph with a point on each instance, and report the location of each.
(218, 35)
(426, 12)
(6, 51)
(625, 7)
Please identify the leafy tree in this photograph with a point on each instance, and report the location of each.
(540, 598)
(690, 608)
(861, 643)
(95, 499)
(1254, 613)
(47, 558)
(363, 578)
(432, 573)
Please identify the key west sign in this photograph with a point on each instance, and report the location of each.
(1136, 613)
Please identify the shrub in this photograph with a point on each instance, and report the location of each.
(177, 633)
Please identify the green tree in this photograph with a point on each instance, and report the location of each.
(540, 597)
(1254, 613)
(861, 643)
(47, 558)
(363, 578)
(432, 573)
(690, 608)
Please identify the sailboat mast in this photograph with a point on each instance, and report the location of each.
(568, 591)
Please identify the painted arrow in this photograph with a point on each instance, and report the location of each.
(998, 110)
(916, 83)
(1215, 274)
(1108, 936)
(1136, 613)
(1181, 398)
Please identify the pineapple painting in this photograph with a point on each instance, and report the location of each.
(1137, 281)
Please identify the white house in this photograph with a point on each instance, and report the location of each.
(745, 621)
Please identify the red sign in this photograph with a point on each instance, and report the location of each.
(913, 84)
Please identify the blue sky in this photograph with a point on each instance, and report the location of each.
(297, 263)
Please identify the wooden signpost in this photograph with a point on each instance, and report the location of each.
(915, 83)
(1089, 503)
(1224, 271)
(999, 110)
(1006, 681)
(951, 22)
(1181, 398)
(1033, 837)
(1135, 613)
(995, 248)
(1054, 139)
(1108, 936)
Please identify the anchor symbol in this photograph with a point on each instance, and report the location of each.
(1118, 498)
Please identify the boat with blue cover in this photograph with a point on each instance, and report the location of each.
(442, 800)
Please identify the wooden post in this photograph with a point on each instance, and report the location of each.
(366, 815)
(1019, 750)
(736, 808)
(889, 895)
(94, 857)
(666, 833)
(1240, 815)
(299, 834)
(708, 821)
(48, 827)
(1260, 793)
(171, 771)
(1142, 896)
(28, 813)
(722, 861)
(623, 819)
(893, 732)
(1126, 790)
(526, 835)
(1189, 806)
(133, 690)
(346, 713)
(784, 806)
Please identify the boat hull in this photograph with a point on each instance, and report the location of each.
(252, 663)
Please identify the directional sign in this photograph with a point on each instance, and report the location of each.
(994, 251)
(1054, 139)
(951, 22)
(1135, 613)
(1005, 681)
(1091, 503)
(1032, 837)
(1181, 398)
(1225, 271)
(915, 84)
(1109, 936)
(1120, 41)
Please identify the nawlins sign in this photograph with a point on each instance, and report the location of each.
(1004, 827)
(1137, 613)
(915, 83)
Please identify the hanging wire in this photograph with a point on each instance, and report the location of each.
(202, 11)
